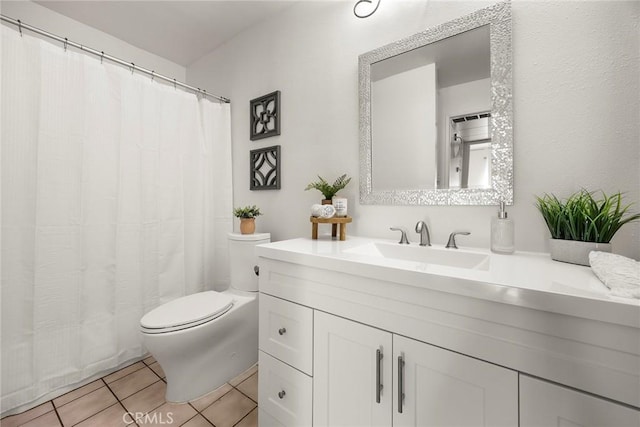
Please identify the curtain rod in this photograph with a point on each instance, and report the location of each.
(102, 56)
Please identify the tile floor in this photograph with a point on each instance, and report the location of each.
(140, 388)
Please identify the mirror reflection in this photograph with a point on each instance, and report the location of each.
(430, 116)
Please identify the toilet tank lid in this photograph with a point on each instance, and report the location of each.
(186, 310)
(250, 237)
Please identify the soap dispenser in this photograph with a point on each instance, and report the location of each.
(502, 232)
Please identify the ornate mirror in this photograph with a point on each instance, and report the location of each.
(436, 115)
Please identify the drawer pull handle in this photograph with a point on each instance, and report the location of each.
(282, 331)
(379, 357)
(400, 382)
(282, 394)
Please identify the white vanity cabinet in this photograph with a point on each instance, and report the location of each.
(441, 346)
(546, 404)
(368, 377)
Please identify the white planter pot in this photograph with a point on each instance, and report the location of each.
(575, 252)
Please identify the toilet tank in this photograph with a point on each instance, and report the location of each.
(243, 259)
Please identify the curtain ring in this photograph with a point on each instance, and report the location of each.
(175, 86)
(20, 27)
(66, 40)
(133, 67)
(101, 56)
(152, 75)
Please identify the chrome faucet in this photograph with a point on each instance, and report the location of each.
(423, 230)
(451, 244)
(403, 237)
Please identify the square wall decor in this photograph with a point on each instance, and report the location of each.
(264, 168)
(265, 116)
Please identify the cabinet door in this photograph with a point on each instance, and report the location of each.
(549, 405)
(443, 388)
(350, 361)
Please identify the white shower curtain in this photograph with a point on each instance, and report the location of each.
(116, 197)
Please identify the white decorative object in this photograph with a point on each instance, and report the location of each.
(617, 272)
(575, 251)
(323, 211)
(340, 203)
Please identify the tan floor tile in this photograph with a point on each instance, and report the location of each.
(208, 399)
(126, 386)
(243, 376)
(155, 367)
(229, 409)
(250, 420)
(50, 419)
(168, 414)
(146, 399)
(123, 372)
(149, 360)
(113, 416)
(86, 406)
(250, 387)
(18, 419)
(197, 421)
(79, 392)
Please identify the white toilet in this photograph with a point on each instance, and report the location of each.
(203, 340)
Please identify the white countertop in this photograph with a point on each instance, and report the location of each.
(524, 279)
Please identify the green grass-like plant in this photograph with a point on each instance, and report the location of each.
(584, 217)
(247, 212)
(329, 190)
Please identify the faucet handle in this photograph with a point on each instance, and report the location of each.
(451, 244)
(403, 237)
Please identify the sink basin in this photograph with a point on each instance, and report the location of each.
(458, 258)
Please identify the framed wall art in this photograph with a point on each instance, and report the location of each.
(264, 168)
(265, 116)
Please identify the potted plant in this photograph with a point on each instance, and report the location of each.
(329, 190)
(247, 217)
(582, 223)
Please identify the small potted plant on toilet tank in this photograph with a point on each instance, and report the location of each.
(582, 223)
(247, 217)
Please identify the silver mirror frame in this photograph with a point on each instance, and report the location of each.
(498, 17)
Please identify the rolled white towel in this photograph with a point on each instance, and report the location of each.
(619, 273)
(323, 211)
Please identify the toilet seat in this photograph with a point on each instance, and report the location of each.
(186, 312)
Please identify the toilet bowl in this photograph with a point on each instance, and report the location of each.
(205, 339)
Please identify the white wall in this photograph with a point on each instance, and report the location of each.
(403, 129)
(576, 95)
(39, 16)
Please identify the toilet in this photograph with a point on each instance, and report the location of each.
(205, 339)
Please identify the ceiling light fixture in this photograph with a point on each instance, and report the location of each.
(367, 9)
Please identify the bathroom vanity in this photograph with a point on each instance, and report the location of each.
(370, 332)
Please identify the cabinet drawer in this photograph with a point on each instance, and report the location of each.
(266, 420)
(286, 332)
(285, 393)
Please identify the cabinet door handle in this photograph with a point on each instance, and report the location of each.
(400, 382)
(379, 357)
(281, 394)
(282, 331)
